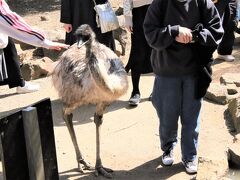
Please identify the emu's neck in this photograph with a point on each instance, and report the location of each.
(98, 71)
(88, 49)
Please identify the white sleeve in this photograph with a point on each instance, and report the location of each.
(3, 40)
(24, 36)
(127, 12)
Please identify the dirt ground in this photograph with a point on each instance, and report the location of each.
(130, 137)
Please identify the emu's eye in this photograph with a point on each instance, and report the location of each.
(83, 37)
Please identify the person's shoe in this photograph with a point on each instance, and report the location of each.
(228, 58)
(167, 158)
(27, 88)
(134, 100)
(191, 166)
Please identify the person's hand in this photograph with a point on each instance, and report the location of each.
(129, 28)
(184, 36)
(67, 27)
(57, 46)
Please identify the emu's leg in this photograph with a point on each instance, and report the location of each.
(106, 172)
(68, 120)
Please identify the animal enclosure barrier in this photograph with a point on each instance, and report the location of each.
(27, 144)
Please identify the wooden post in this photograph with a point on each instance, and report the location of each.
(33, 143)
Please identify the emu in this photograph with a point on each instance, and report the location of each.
(89, 73)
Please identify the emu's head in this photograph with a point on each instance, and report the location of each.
(84, 35)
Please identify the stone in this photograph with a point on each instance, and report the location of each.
(37, 68)
(38, 52)
(43, 18)
(230, 78)
(213, 168)
(234, 110)
(217, 93)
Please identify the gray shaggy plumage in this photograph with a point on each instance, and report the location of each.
(90, 73)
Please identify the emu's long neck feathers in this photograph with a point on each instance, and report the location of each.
(107, 73)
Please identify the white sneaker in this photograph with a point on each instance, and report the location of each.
(27, 88)
(228, 58)
(191, 166)
(134, 100)
(167, 158)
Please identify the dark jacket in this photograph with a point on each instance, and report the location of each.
(78, 12)
(162, 21)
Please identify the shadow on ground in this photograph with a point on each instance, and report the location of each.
(152, 169)
(83, 114)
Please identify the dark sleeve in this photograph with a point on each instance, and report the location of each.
(66, 13)
(212, 32)
(157, 35)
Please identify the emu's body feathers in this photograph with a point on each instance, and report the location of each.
(80, 79)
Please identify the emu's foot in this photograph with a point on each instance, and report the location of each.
(106, 172)
(84, 165)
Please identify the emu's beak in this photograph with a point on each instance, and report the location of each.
(80, 43)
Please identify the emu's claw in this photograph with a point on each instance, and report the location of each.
(83, 165)
(89, 167)
(106, 172)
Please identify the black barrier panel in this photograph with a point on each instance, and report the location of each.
(14, 147)
(44, 112)
(13, 144)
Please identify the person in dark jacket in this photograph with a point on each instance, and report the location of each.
(77, 12)
(170, 29)
(227, 10)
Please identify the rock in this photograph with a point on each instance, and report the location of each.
(217, 93)
(230, 78)
(222, 94)
(26, 70)
(38, 52)
(36, 69)
(212, 169)
(43, 18)
(234, 155)
(25, 55)
(233, 92)
(234, 110)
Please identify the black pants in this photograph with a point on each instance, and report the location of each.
(13, 67)
(139, 58)
(227, 11)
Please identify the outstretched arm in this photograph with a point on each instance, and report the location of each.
(14, 26)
